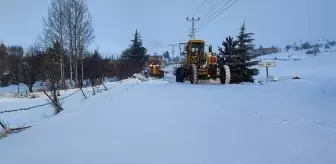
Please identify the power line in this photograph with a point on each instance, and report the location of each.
(212, 8)
(215, 10)
(201, 9)
(217, 15)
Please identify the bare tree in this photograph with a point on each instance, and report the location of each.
(14, 60)
(53, 30)
(93, 69)
(31, 66)
(51, 73)
(79, 32)
(86, 36)
(3, 65)
(70, 23)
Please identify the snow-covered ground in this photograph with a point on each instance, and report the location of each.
(157, 121)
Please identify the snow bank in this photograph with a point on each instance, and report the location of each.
(140, 77)
(22, 95)
(170, 69)
(22, 91)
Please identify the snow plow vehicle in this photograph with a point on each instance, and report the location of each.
(200, 65)
(155, 67)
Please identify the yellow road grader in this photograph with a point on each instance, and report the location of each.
(154, 67)
(200, 65)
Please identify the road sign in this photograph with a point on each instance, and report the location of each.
(267, 64)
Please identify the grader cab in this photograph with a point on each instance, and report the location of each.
(200, 65)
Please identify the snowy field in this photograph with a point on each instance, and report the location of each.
(163, 122)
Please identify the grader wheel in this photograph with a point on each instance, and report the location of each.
(225, 74)
(193, 74)
(161, 74)
(179, 75)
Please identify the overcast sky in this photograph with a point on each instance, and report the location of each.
(162, 22)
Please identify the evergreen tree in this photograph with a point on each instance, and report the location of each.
(136, 51)
(166, 56)
(237, 55)
(288, 47)
(231, 57)
(306, 45)
(245, 39)
(146, 58)
(244, 48)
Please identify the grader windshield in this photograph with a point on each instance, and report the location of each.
(193, 51)
(196, 50)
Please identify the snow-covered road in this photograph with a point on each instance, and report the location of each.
(291, 121)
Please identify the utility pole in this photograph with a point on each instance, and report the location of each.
(173, 49)
(192, 30)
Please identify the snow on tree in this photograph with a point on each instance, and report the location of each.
(236, 54)
(245, 46)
